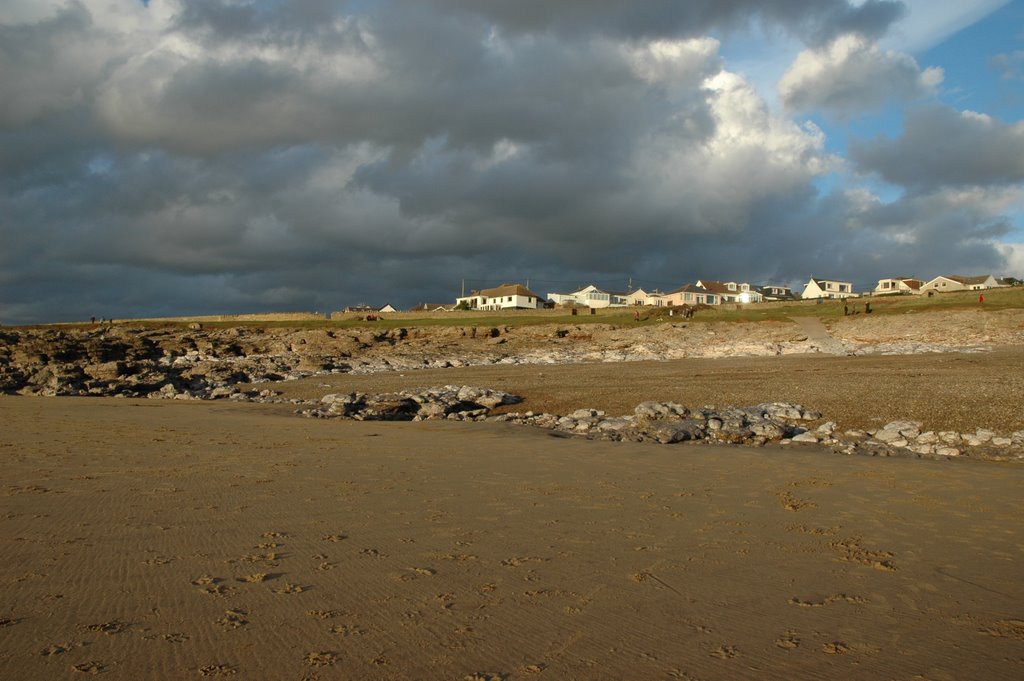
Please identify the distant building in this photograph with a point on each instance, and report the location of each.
(431, 307)
(957, 283)
(642, 297)
(590, 296)
(691, 294)
(898, 285)
(363, 308)
(731, 291)
(828, 288)
(776, 292)
(504, 297)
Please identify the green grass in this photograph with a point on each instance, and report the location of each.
(995, 299)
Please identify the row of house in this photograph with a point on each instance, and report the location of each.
(703, 292)
(710, 292)
(828, 288)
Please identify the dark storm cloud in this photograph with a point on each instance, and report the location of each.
(813, 20)
(308, 155)
(942, 147)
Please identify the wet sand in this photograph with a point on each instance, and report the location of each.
(147, 539)
(950, 391)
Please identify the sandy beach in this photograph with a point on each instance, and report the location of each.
(160, 539)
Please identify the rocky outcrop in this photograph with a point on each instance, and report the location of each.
(671, 423)
(207, 362)
(448, 402)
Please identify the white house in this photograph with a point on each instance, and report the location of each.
(731, 291)
(691, 294)
(642, 297)
(898, 285)
(504, 297)
(828, 288)
(958, 283)
(590, 296)
(774, 292)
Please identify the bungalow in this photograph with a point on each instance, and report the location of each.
(898, 285)
(591, 296)
(958, 283)
(504, 297)
(642, 297)
(828, 288)
(430, 307)
(731, 291)
(776, 292)
(363, 308)
(691, 294)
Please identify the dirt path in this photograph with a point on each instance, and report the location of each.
(818, 335)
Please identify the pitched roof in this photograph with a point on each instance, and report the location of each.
(689, 288)
(508, 290)
(427, 307)
(717, 286)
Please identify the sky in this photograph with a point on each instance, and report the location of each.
(177, 157)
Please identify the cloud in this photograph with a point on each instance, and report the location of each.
(853, 75)
(1009, 64)
(813, 20)
(926, 23)
(942, 147)
(213, 156)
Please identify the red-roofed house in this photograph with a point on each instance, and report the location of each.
(898, 285)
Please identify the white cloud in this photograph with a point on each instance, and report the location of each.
(929, 22)
(1014, 255)
(851, 75)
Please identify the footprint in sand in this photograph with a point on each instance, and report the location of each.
(835, 648)
(372, 553)
(835, 598)
(788, 641)
(1012, 629)
(327, 614)
(176, 637)
(422, 571)
(211, 585)
(255, 578)
(321, 659)
(56, 649)
(233, 619)
(218, 670)
(334, 537)
(291, 589)
(851, 551)
(484, 676)
(109, 628)
(90, 667)
(725, 652)
(792, 503)
(347, 630)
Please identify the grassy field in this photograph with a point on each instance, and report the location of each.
(995, 299)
